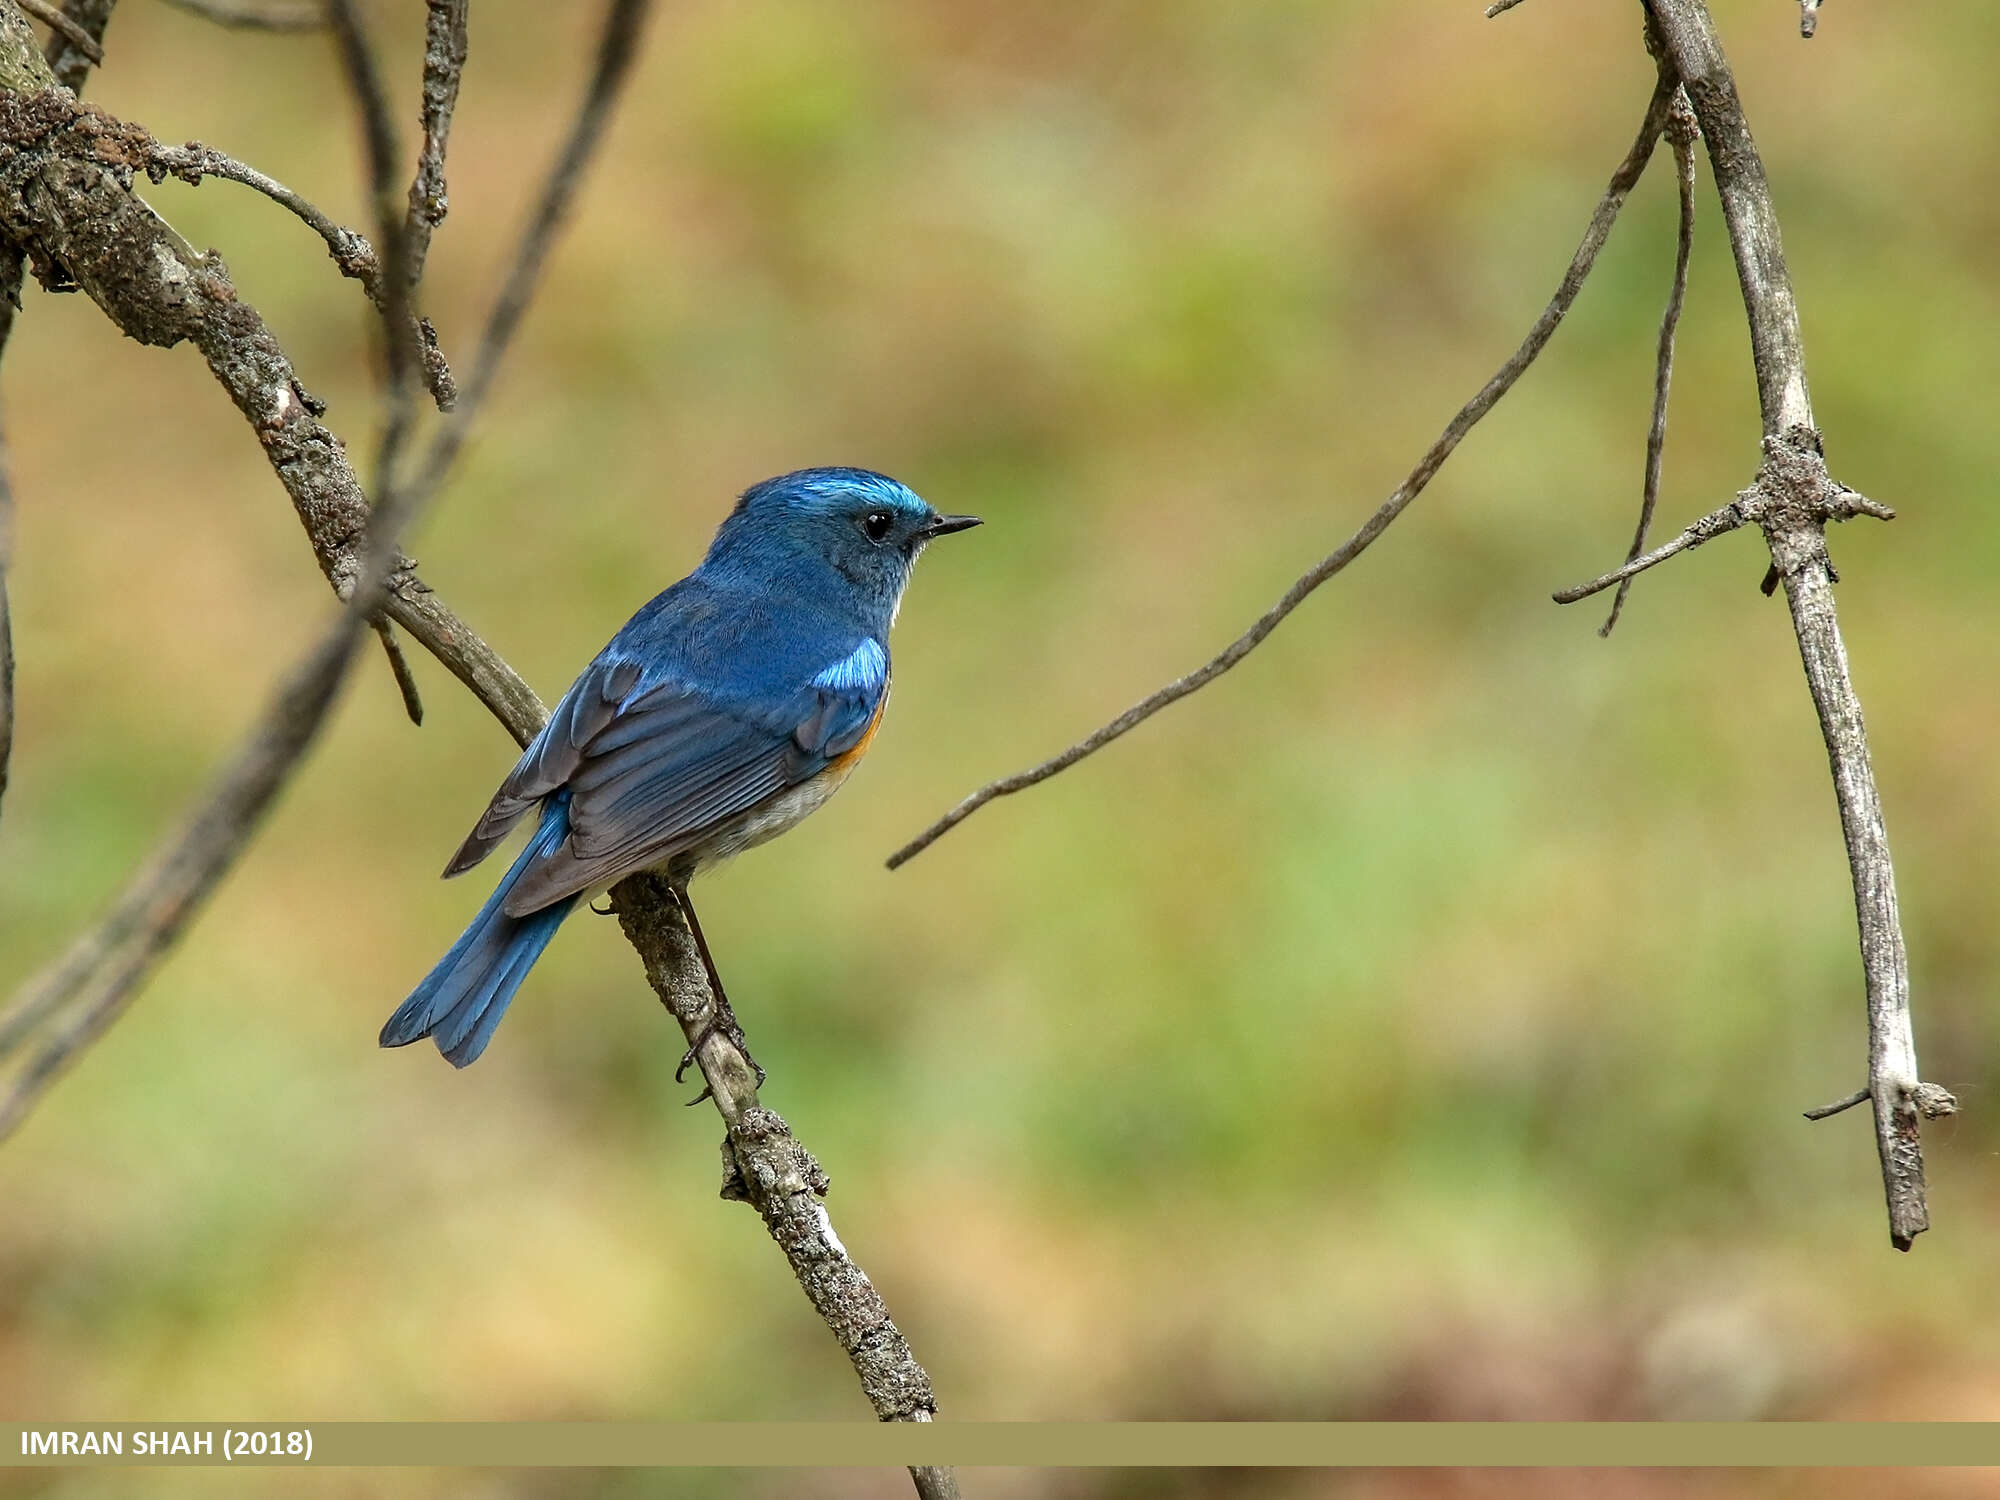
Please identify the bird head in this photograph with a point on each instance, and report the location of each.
(843, 539)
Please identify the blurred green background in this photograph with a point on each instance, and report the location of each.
(1413, 1024)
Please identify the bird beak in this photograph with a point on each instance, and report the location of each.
(945, 525)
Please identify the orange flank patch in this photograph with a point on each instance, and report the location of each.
(844, 763)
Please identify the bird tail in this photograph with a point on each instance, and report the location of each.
(462, 1000)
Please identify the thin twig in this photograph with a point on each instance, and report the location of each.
(1594, 236)
(399, 664)
(52, 17)
(1745, 508)
(253, 16)
(1827, 1111)
(67, 59)
(1800, 498)
(351, 250)
(1682, 134)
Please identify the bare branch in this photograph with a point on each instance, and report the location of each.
(250, 15)
(1827, 1111)
(1682, 134)
(1799, 498)
(1594, 236)
(351, 250)
(1744, 508)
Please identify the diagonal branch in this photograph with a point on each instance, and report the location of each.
(1799, 499)
(1594, 237)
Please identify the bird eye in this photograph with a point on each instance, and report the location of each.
(875, 525)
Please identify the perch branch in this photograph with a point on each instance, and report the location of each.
(1594, 236)
(114, 261)
(1683, 133)
(1799, 499)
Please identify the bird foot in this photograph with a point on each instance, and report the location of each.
(721, 1022)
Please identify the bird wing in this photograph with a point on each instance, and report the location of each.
(552, 756)
(649, 769)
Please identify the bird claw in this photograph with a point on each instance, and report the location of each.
(722, 1023)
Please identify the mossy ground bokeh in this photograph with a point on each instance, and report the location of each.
(1415, 1023)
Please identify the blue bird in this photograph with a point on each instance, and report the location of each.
(724, 712)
